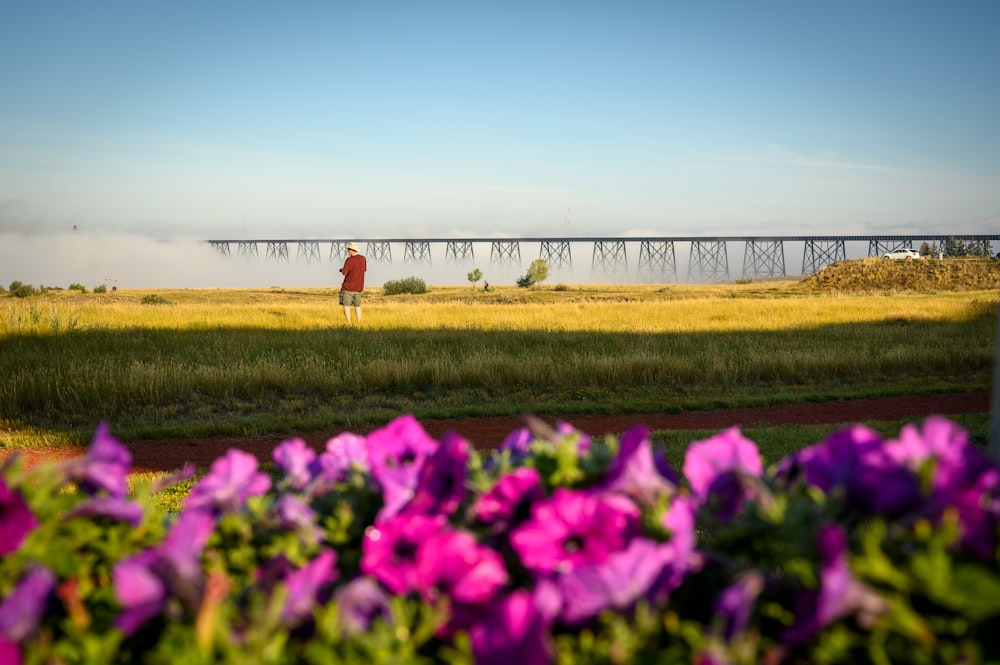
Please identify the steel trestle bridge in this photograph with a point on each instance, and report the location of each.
(655, 258)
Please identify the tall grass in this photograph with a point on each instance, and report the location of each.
(253, 361)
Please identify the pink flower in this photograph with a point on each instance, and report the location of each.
(452, 564)
(305, 585)
(396, 454)
(509, 502)
(24, 607)
(572, 529)
(712, 467)
(514, 631)
(634, 472)
(232, 479)
(441, 486)
(105, 467)
(389, 549)
(16, 519)
(294, 457)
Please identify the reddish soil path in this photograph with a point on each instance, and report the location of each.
(165, 455)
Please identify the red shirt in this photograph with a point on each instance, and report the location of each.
(354, 273)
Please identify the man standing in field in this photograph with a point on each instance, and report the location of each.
(354, 281)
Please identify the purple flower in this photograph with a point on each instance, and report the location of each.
(441, 486)
(360, 603)
(514, 631)
(294, 457)
(10, 654)
(518, 442)
(453, 565)
(305, 585)
(24, 607)
(572, 529)
(396, 454)
(735, 604)
(294, 515)
(634, 472)
(110, 507)
(389, 549)
(509, 502)
(105, 466)
(143, 583)
(617, 583)
(856, 461)
(16, 519)
(343, 452)
(679, 555)
(582, 439)
(232, 479)
(840, 594)
(713, 467)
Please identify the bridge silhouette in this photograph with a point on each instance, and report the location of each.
(655, 258)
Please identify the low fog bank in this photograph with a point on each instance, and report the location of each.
(136, 261)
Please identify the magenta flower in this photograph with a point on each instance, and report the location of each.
(16, 519)
(509, 502)
(232, 479)
(442, 483)
(713, 467)
(855, 461)
(10, 653)
(679, 555)
(617, 583)
(24, 607)
(294, 457)
(572, 529)
(305, 586)
(360, 603)
(396, 454)
(143, 582)
(109, 507)
(453, 565)
(343, 452)
(105, 466)
(735, 604)
(634, 472)
(514, 631)
(840, 594)
(389, 549)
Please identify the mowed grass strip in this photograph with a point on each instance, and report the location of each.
(243, 361)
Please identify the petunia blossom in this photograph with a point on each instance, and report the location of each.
(108, 507)
(514, 631)
(293, 514)
(105, 466)
(713, 466)
(735, 604)
(840, 593)
(452, 564)
(231, 480)
(294, 457)
(389, 549)
(360, 603)
(396, 454)
(572, 528)
(509, 501)
(305, 586)
(441, 486)
(24, 607)
(16, 519)
(634, 472)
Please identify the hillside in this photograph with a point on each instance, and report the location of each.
(876, 274)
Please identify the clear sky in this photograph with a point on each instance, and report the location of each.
(419, 119)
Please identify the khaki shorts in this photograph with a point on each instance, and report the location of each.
(348, 298)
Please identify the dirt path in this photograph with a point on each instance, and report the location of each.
(164, 455)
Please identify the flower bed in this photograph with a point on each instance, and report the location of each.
(396, 547)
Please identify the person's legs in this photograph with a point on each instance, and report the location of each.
(357, 310)
(347, 313)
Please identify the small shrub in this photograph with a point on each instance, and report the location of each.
(524, 281)
(15, 285)
(153, 299)
(100, 288)
(561, 287)
(22, 290)
(77, 287)
(406, 285)
(744, 280)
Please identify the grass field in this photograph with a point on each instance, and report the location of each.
(191, 363)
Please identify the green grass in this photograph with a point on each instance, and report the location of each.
(273, 361)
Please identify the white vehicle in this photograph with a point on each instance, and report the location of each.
(904, 254)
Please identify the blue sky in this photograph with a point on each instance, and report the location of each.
(420, 119)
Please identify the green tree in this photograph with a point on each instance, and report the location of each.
(475, 276)
(539, 270)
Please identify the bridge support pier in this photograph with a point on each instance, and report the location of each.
(221, 246)
(418, 252)
(657, 261)
(880, 247)
(505, 253)
(609, 257)
(459, 251)
(557, 253)
(764, 259)
(308, 253)
(709, 260)
(247, 250)
(277, 251)
(817, 254)
(378, 251)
